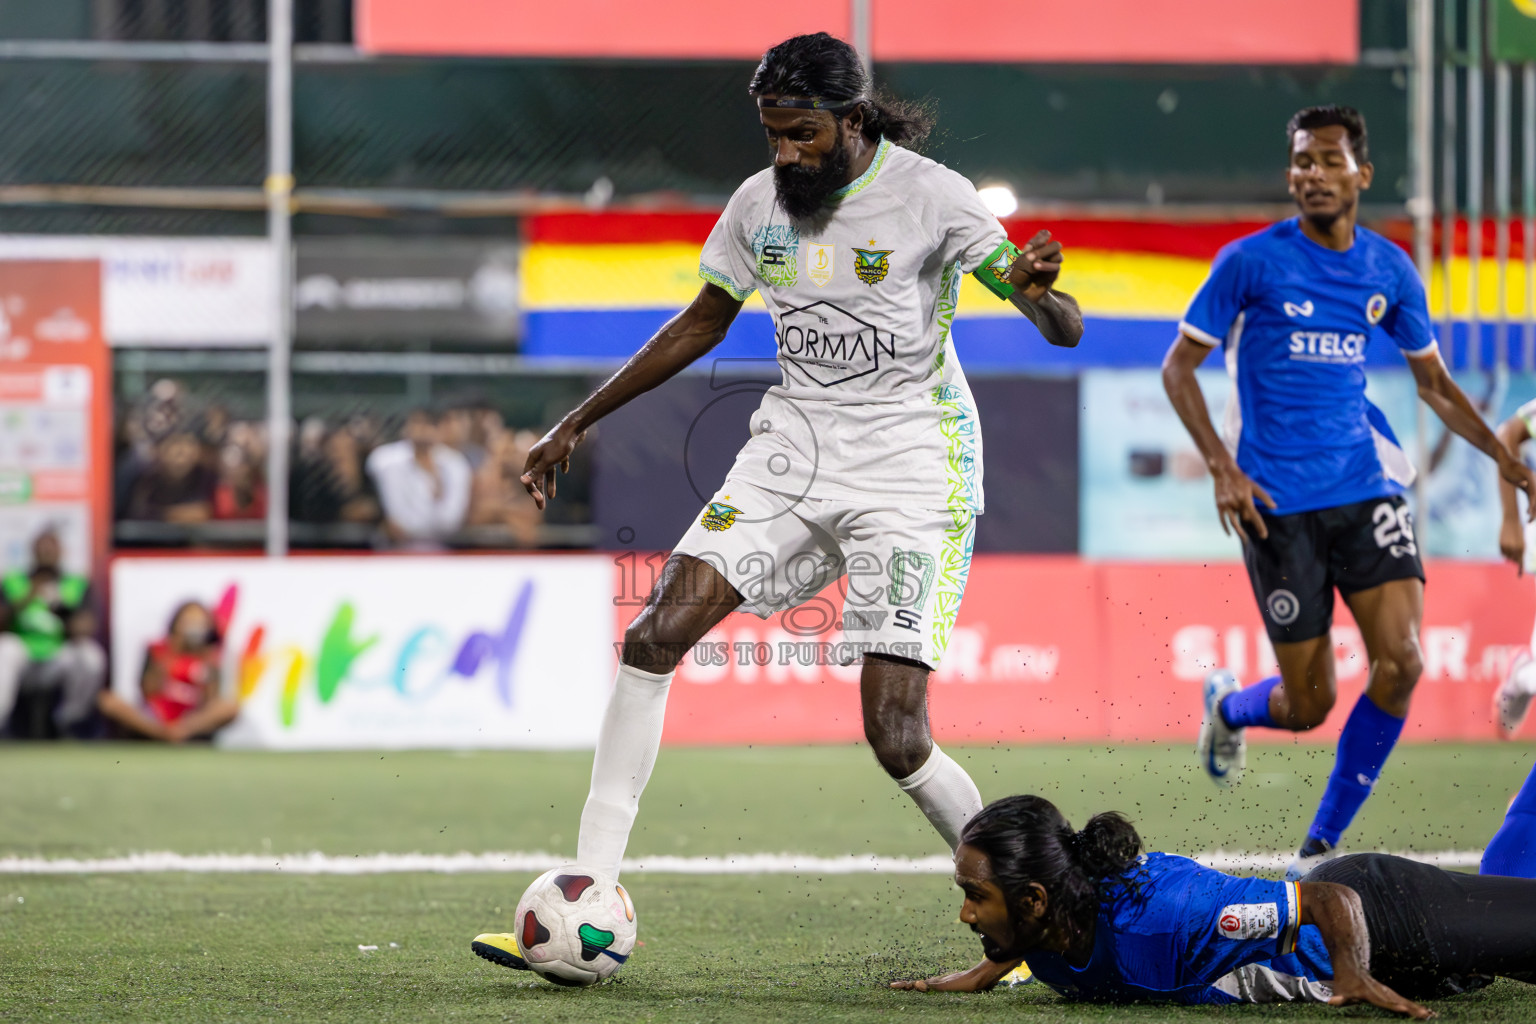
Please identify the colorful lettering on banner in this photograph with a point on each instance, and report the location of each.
(378, 651)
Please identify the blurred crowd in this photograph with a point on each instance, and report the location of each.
(416, 483)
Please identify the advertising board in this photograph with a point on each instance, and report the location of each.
(339, 652)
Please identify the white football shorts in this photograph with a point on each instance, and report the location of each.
(901, 572)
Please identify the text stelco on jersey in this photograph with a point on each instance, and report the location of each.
(1328, 344)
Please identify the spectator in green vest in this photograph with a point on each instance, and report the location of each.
(48, 646)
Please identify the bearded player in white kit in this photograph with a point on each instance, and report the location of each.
(864, 463)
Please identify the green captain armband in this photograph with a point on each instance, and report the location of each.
(993, 271)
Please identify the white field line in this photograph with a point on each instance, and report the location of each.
(522, 863)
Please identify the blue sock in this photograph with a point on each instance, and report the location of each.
(1512, 851)
(1368, 737)
(1250, 705)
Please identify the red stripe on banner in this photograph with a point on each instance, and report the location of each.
(619, 227)
(1122, 31)
(1199, 240)
(590, 28)
(1117, 31)
(1192, 239)
(1056, 649)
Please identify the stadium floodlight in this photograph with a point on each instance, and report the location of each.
(999, 199)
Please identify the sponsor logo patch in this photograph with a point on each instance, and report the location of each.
(1298, 308)
(1283, 607)
(1249, 921)
(819, 262)
(777, 247)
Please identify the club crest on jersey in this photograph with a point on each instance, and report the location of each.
(719, 516)
(777, 247)
(1376, 308)
(871, 265)
(818, 262)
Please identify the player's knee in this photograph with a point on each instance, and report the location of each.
(1401, 666)
(1310, 709)
(900, 742)
(649, 643)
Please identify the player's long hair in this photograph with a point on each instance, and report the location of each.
(1028, 840)
(826, 67)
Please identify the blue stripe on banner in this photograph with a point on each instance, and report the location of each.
(985, 344)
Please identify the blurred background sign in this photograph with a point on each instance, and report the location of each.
(334, 653)
(371, 288)
(169, 292)
(54, 465)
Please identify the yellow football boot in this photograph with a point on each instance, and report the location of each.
(499, 948)
(1020, 975)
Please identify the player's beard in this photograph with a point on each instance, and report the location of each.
(802, 191)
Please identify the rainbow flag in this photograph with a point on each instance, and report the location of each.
(595, 286)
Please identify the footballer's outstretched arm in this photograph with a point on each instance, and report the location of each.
(1033, 275)
(1441, 393)
(1513, 432)
(1339, 917)
(683, 339)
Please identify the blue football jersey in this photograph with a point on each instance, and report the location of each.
(1179, 932)
(1294, 319)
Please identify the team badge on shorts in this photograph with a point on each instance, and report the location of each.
(1283, 607)
(871, 265)
(719, 516)
(1376, 308)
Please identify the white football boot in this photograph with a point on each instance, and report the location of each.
(1512, 700)
(1222, 750)
(1305, 860)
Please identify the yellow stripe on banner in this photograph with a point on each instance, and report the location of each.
(1487, 288)
(653, 275)
(1107, 283)
(665, 276)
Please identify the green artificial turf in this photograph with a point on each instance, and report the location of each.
(185, 947)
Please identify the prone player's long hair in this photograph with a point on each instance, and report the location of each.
(1028, 840)
(826, 67)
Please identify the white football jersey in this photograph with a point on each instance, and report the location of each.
(873, 406)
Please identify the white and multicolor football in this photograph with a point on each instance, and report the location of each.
(575, 925)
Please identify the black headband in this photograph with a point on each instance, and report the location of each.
(838, 107)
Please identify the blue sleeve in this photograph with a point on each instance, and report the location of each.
(1220, 299)
(1229, 922)
(1407, 319)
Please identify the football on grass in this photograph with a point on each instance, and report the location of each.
(575, 925)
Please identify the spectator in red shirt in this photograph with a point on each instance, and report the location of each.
(181, 683)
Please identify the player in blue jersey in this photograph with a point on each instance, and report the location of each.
(1100, 921)
(1308, 472)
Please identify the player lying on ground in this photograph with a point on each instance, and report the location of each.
(1100, 921)
(864, 462)
(1307, 471)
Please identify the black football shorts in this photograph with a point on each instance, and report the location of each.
(1307, 554)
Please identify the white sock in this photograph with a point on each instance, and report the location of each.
(944, 793)
(626, 753)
